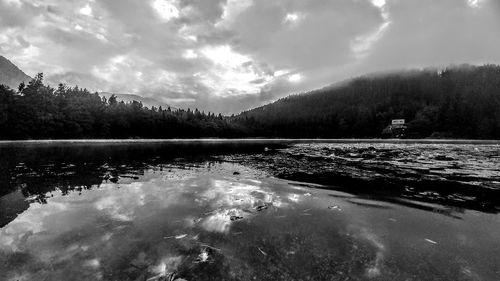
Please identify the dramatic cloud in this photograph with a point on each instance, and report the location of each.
(231, 55)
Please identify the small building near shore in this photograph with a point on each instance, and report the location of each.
(396, 129)
(398, 122)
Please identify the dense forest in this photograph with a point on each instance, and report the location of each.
(458, 102)
(37, 111)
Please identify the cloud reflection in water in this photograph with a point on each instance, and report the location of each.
(234, 200)
(181, 220)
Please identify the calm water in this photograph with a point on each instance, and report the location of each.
(253, 210)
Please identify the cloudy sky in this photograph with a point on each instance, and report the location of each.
(231, 55)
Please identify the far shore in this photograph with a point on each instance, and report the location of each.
(247, 140)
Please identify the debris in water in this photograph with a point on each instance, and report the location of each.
(169, 276)
(209, 212)
(334, 207)
(431, 241)
(261, 207)
(176, 236)
(235, 218)
(202, 257)
(264, 253)
(130, 177)
(307, 194)
(236, 173)
(208, 246)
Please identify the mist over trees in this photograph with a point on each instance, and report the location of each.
(458, 102)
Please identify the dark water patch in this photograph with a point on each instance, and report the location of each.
(464, 176)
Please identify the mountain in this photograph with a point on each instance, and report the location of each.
(10, 74)
(148, 102)
(457, 102)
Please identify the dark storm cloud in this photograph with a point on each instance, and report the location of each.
(231, 55)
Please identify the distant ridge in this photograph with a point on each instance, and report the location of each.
(147, 102)
(10, 74)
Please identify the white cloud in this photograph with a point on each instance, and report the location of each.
(86, 10)
(281, 72)
(293, 18)
(378, 3)
(224, 55)
(231, 73)
(27, 55)
(382, 6)
(231, 11)
(16, 3)
(473, 3)
(191, 38)
(295, 78)
(101, 37)
(189, 54)
(139, 75)
(361, 45)
(165, 9)
(115, 69)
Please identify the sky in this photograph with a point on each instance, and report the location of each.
(232, 55)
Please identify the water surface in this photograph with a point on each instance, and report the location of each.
(249, 211)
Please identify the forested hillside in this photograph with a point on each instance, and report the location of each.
(459, 102)
(36, 111)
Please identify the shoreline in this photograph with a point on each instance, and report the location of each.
(248, 140)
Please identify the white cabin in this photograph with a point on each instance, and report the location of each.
(398, 122)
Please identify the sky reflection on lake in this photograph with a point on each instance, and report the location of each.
(212, 220)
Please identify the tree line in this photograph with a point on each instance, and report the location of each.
(457, 102)
(37, 111)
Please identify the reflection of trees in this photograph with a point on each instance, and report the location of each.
(40, 169)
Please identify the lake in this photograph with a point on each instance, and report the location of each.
(249, 210)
